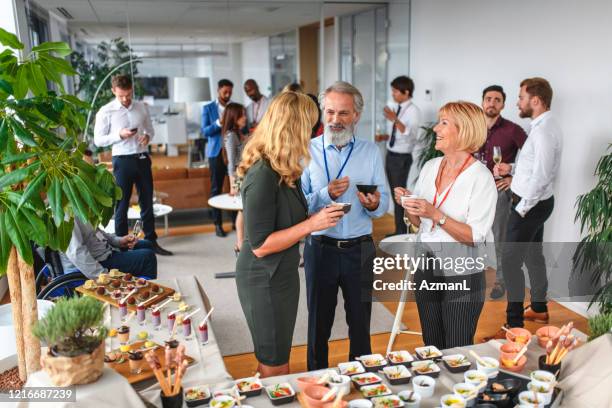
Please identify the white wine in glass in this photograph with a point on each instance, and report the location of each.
(497, 156)
(137, 228)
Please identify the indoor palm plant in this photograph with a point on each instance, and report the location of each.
(44, 182)
(594, 212)
(74, 332)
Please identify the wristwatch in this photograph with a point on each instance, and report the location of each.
(442, 221)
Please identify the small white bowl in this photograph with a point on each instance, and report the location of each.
(424, 385)
(214, 403)
(360, 403)
(539, 389)
(344, 384)
(526, 396)
(452, 400)
(416, 397)
(470, 399)
(541, 377)
(481, 380)
(492, 367)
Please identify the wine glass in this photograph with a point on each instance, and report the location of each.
(497, 156)
(137, 228)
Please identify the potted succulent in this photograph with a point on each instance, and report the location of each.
(74, 334)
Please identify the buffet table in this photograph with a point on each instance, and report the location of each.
(208, 367)
(444, 383)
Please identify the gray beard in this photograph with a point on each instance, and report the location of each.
(341, 138)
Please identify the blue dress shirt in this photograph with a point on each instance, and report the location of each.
(212, 129)
(364, 166)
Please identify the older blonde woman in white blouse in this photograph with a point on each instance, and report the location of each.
(453, 206)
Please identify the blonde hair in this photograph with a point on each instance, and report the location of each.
(471, 123)
(282, 137)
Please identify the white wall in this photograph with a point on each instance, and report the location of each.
(458, 48)
(256, 65)
(398, 44)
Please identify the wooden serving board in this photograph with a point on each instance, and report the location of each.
(146, 373)
(165, 293)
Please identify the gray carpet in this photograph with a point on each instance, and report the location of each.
(204, 254)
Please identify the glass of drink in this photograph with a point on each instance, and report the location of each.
(497, 157)
(137, 228)
(187, 328)
(122, 310)
(171, 321)
(140, 314)
(156, 319)
(203, 333)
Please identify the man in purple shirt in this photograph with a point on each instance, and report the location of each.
(509, 137)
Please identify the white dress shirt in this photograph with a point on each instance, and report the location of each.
(410, 116)
(113, 117)
(537, 164)
(256, 110)
(471, 201)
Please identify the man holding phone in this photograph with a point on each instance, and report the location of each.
(126, 125)
(342, 256)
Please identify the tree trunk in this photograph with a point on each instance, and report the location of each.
(14, 282)
(29, 310)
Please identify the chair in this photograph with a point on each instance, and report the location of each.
(51, 281)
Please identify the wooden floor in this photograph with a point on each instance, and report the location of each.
(492, 317)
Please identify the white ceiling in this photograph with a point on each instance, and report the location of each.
(195, 21)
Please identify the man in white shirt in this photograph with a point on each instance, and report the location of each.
(125, 125)
(258, 106)
(405, 121)
(534, 173)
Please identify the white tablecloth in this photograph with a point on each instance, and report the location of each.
(114, 391)
(226, 202)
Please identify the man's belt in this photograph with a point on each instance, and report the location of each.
(131, 156)
(341, 243)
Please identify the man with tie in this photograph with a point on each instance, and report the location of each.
(126, 125)
(211, 128)
(405, 121)
(342, 256)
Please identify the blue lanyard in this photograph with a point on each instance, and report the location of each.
(325, 159)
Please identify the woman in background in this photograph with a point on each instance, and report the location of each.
(275, 219)
(233, 123)
(454, 208)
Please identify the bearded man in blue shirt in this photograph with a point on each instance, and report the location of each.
(342, 256)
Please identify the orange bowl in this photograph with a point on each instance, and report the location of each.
(519, 335)
(303, 382)
(545, 333)
(342, 404)
(313, 394)
(509, 350)
(514, 368)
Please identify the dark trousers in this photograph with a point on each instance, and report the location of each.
(397, 167)
(449, 317)
(140, 261)
(327, 269)
(218, 171)
(528, 230)
(130, 170)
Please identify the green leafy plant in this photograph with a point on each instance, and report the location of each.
(73, 326)
(108, 55)
(40, 156)
(44, 182)
(594, 212)
(600, 325)
(429, 139)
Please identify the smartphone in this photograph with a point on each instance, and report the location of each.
(134, 129)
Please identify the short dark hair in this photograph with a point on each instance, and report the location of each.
(403, 84)
(494, 88)
(224, 82)
(539, 87)
(122, 82)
